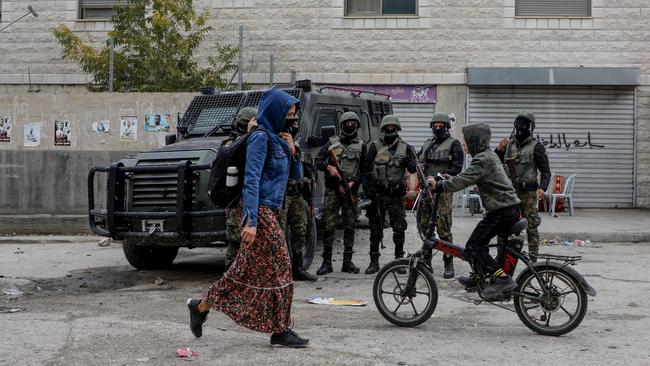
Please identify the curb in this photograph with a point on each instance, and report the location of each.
(612, 237)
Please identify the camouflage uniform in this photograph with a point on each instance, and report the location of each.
(295, 216)
(386, 163)
(441, 155)
(233, 227)
(522, 160)
(349, 150)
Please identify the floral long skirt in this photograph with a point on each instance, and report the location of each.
(257, 290)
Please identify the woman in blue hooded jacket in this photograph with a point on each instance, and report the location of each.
(257, 290)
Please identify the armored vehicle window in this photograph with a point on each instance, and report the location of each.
(326, 116)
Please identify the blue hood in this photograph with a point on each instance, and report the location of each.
(273, 108)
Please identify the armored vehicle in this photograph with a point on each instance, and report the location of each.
(157, 201)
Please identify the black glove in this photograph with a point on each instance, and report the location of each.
(405, 161)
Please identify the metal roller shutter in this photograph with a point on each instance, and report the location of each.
(605, 174)
(414, 119)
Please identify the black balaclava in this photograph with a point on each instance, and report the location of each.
(522, 129)
(349, 132)
(390, 137)
(440, 133)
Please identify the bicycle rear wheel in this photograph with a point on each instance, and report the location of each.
(399, 304)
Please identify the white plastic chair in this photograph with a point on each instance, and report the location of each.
(567, 194)
(547, 195)
(464, 196)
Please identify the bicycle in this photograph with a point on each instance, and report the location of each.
(547, 288)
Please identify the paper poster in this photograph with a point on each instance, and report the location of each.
(157, 122)
(101, 126)
(32, 134)
(62, 133)
(5, 129)
(129, 128)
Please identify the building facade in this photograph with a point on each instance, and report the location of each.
(582, 66)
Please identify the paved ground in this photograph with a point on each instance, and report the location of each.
(83, 305)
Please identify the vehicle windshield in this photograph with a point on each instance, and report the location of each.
(213, 119)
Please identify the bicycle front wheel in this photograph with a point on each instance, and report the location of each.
(399, 303)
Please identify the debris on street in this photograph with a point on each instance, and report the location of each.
(104, 242)
(159, 281)
(10, 310)
(186, 352)
(12, 292)
(333, 301)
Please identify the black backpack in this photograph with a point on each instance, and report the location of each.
(233, 155)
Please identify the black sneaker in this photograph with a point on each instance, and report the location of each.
(197, 318)
(468, 282)
(499, 287)
(288, 338)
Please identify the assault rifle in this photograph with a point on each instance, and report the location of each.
(344, 183)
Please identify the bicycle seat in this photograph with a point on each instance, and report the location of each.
(518, 227)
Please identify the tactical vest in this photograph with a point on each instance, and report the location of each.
(437, 159)
(525, 168)
(349, 155)
(387, 171)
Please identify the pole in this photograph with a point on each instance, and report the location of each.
(8, 25)
(271, 71)
(240, 83)
(293, 76)
(110, 64)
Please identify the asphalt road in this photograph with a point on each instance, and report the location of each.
(84, 305)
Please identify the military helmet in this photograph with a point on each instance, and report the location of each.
(441, 117)
(526, 116)
(347, 116)
(243, 117)
(390, 120)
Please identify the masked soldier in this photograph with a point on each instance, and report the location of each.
(441, 154)
(349, 151)
(294, 214)
(523, 156)
(385, 164)
(233, 231)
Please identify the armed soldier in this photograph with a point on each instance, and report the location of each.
(233, 227)
(385, 164)
(523, 156)
(341, 160)
(441, 154)
(294, 214)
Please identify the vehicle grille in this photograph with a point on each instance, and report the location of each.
(156, 189)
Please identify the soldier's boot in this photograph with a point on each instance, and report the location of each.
(348, 266)
(326, 266)
(348, 242)
(448, 259)
(374, 263)
(399, 250)
(298, 273)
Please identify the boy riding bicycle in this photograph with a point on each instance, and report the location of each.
(500, 200)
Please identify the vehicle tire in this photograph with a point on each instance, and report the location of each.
(148, 256)
(569, 300)
(389, 285)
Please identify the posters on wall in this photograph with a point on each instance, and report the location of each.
(32, 134)
(5, 129)
(101, 126)
(129, 128)
(62, 133)
(157, 122)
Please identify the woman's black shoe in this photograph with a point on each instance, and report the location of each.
(197, 318)
(288, 338)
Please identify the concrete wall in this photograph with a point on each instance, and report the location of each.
(313, 38)
(52, 179)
